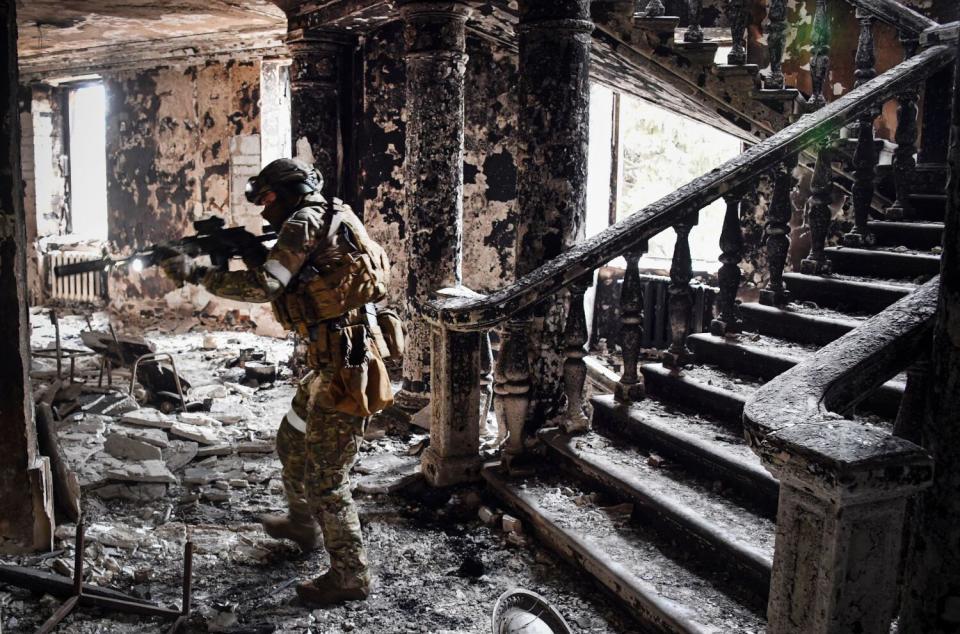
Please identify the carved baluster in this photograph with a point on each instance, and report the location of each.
(818, 212)
(681, 297)
(776, 40)
(777, 231)
(574, 368)
(906, 139)
(731, 252)
(653, 9)
(512, 387)
(820, 60)
(738, 14)
(694, 33)
(631, 388)
(486, 381)
(865, 156)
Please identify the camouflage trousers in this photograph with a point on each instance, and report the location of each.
(316, 467)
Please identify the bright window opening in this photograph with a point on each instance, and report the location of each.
(656, 152)
(275, 139)
(88, 162)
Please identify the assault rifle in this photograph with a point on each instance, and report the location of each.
(211, 239)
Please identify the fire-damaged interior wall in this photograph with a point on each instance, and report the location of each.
(169, 137)
(489, 205)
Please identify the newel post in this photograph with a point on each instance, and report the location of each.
(458, 408)
(843, 495)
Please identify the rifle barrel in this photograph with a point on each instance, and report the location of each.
(86, 266)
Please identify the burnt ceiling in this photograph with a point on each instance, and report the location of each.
(51, 27)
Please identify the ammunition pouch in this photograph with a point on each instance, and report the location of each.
(359, 385)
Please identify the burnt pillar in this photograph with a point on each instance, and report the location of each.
(320, 64)
(435, 37)
(26, 504)
(552, 171)
(931, 599)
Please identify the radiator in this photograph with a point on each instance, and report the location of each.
(86, 287)
(656, 310)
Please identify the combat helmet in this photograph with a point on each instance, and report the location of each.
(290, 180)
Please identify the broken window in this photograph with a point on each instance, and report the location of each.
(88, 161)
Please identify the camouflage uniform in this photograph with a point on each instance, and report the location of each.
(316, 443)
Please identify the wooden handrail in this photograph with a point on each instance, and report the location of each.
(899, 16)
(486, 311)
(845, 371)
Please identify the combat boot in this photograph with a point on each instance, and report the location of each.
(303, 531)
(327, 590)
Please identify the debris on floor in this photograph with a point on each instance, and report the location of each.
(151, 480)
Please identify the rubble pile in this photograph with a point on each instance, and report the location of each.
(150, 480)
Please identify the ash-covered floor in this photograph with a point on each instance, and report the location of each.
(150, 481)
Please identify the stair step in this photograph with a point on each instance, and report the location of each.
(931, 207)
(704, 445)
(699, 53)
(840, 293)
(675, 503)
(922, 236)
(663, 24)
(929, 178)
(737, 70)
(713, 391)
(805, 325)
(880, 263)
(664, 592)
(767, 357)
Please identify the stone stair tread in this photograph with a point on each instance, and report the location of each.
(854, 319)
(685, 494)
(846, 292)
(883, 249)
(857, 279)
(663, 590)
(739, 384)
(771, 345)
(704, 433)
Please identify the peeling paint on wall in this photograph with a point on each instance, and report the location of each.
(489, 205)
(169, 133)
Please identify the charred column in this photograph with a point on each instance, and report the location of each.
(320, 58)
(26, 504)
(435, 36)
(552, 173)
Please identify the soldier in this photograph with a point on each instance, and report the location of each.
(321, 277)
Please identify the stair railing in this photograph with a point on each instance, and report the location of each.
(461, 319)
(844, 484)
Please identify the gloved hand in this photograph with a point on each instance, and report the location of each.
(255, 256)
(182, 269)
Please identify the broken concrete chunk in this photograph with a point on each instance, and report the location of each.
(202, 435)
(489, 516)
(147, 471)
(132, 492)
(194, 418)
(148, 417)
(229, 411)
(512, 524)
(199, 475)
(125, 448)
(216, 495)
(149, 435)
(210, 342)
(202, 392)
(255, 446)
(116, 536)
(180, 453)
(224, 449)
(387, 473)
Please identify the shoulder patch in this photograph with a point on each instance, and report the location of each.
(295, 235)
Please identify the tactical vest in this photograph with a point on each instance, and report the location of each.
(329, 295)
